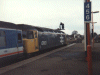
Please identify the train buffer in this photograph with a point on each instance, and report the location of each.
(68, 60)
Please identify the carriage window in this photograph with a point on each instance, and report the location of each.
(30, 35)
(19, 38)
(2, 39)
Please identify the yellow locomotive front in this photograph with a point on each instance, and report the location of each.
(31, 42)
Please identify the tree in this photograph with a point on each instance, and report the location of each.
(74, 32)
(95, 34)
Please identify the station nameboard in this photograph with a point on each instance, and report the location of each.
(87, 11)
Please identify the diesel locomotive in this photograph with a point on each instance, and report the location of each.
(19, 39)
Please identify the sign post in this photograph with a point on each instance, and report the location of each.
(87, 20)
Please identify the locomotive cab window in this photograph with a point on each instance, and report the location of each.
(2, 39)
(19, 38)
(35, 35)
(30, 35)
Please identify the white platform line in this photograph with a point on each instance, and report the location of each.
(18, 64)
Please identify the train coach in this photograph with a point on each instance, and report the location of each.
(11, 43)
(16, 40)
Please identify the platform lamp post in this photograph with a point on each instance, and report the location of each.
(93, 27)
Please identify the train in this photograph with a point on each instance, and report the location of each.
(18, 40)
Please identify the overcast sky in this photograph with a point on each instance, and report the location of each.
(49, 13)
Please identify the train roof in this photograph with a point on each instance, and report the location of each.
(27, 27)
(8, 25)
(41, 29)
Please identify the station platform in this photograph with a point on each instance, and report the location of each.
(68, 60)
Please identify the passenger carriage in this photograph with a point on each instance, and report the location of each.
(11, 44)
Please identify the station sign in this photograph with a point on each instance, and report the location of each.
(87, 11)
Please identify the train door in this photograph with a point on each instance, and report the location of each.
(36, 40)
(2, 43)
(19, 42)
